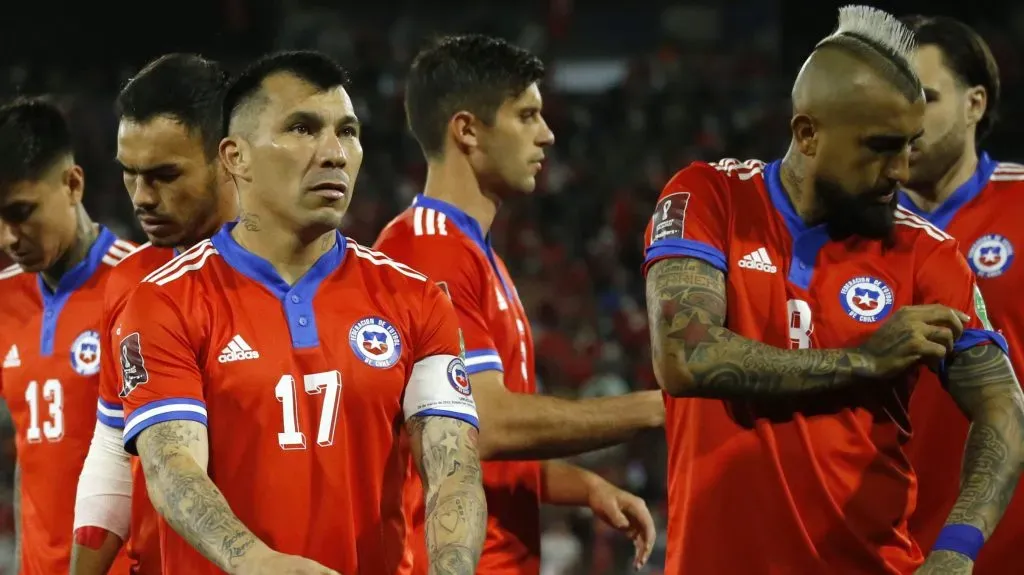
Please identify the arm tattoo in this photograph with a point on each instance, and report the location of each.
(984, 386)
(187, 498)
(686, 306)
(445, 450)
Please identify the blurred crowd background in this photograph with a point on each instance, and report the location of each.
(635, 92)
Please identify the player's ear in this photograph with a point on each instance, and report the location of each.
(975, 103)
(235, 156)
(805, 134)
(74, 182)
(464, 129)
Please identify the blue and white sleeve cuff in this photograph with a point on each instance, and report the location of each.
(678, 248)
(479, 360)
(150, 414)
(973, 338)
(110, 414)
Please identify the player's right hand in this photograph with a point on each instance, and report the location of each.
(913, 334)
(274, 563)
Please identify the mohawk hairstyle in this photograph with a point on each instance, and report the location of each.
(186, 87)
(881, 39)
(34, 135)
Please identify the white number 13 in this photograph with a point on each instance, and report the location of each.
(327, 384)
(800, 324)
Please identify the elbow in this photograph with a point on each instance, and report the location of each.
(672, 375)
(495, 438)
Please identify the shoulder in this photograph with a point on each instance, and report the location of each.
(721, 175)
(424, 239)
(135, 266)
(1007, 180)
(914, 234)
(12, 274)
(373, 263)
(183, 270)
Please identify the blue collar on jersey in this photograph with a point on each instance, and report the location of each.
(468, 225)
(807, 240)
(970, 189)
(74, 278)
(297, 299)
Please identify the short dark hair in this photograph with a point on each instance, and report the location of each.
(967, 56)
(309, 66)
(34, 135)
(188, 87)
(472, 72)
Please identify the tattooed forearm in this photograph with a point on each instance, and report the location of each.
(456, 509)
(694, 355)
(173, 456)
(984, 386)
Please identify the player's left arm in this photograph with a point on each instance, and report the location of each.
(566, 484)
(443, 428)
(446, 453)
(980, 379)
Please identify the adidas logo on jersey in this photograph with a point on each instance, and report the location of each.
(237, 350)
(12, 359)
(758, 260)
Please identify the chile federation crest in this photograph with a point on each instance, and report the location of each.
(990, 255)
(376, 342)
(866, 299)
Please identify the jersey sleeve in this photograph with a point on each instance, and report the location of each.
(689, 219)
(109, 410)
(945, 278)
(160, 377)
(449, 263)
(439, 382)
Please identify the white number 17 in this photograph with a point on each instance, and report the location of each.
(328, 384)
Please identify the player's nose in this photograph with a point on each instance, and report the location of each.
(898, 169)
(331, 152)
(547, 136)
(7, 237)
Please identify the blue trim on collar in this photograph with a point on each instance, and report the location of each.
(297, 299)
(73, 279)
(807, 240)
(969, 190)
(468, 225)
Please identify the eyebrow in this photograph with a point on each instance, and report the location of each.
(135, 170)
(311, 118)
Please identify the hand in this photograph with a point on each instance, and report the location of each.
(271, 562)
(627, 513)
(914, 333)
(946, 563)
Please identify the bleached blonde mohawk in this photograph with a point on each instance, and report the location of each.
(876, 27)
(882, 41)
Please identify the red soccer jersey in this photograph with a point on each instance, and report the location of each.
(447, 245)
(143, 545)
(985, 215)
(813, 484)
(303, 390)
(49, 380)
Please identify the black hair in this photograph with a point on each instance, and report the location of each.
(187, 87)
(967, 56)
(313, 67)
(472, 72)
(34, 135)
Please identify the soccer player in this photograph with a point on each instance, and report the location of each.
(170, 126)
(49, 323)
(474, 106)
(980, 202)
(791, 305)
(266, 370)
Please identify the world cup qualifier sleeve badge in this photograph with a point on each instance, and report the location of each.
(866, 299)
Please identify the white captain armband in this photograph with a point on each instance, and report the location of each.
(105, 486)
(439, 386)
